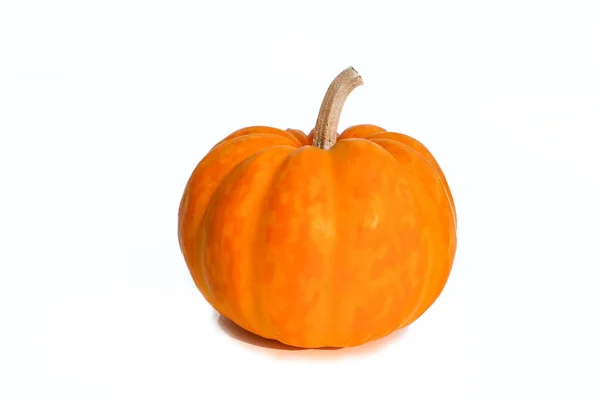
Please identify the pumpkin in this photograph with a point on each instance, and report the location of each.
(323, 240)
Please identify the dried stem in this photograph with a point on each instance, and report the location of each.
(325, 133)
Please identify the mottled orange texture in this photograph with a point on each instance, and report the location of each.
(314, 247)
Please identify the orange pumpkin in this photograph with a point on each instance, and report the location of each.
(324, 240)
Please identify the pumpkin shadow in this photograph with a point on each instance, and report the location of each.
(279, 349)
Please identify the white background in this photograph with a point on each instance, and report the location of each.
(107, 106)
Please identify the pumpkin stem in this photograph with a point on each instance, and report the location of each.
(325, 133)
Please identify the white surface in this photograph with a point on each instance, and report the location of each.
(106, 107)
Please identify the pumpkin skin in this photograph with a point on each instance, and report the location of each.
(319, 248)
